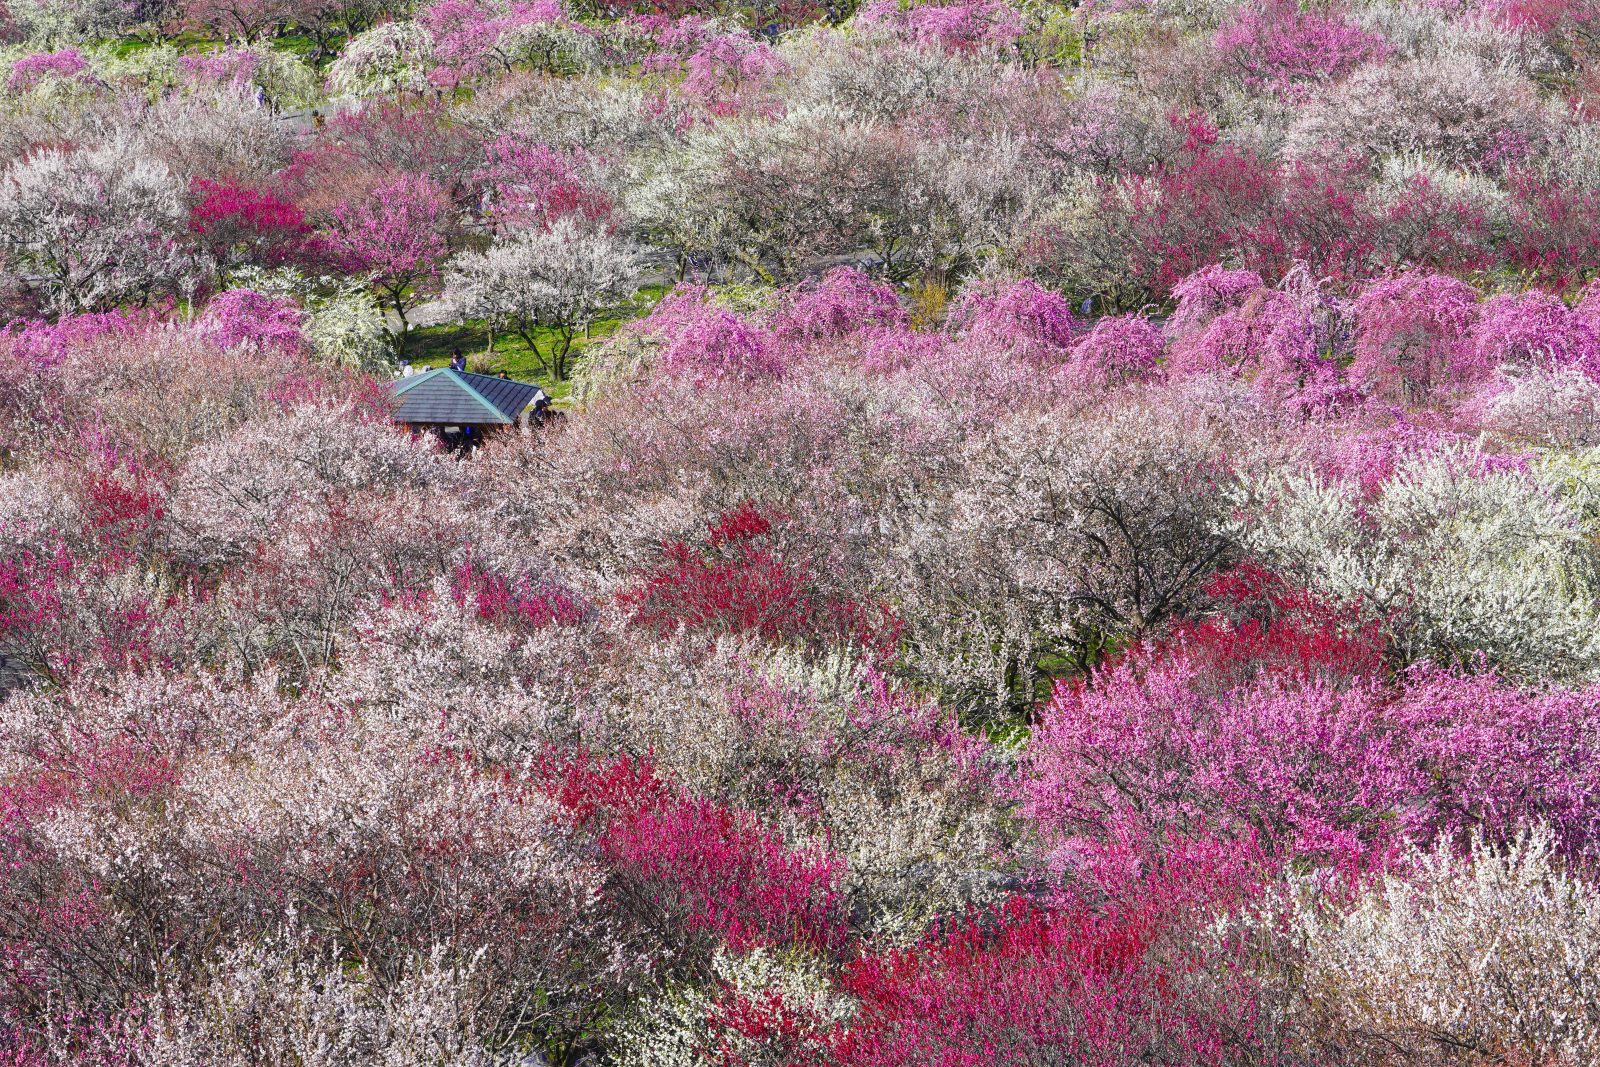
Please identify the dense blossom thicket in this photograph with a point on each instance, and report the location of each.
(1086, 553)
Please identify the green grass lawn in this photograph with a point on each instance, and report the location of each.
(187, 41)
(430, 346)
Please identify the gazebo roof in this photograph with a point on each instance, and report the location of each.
(459, 398)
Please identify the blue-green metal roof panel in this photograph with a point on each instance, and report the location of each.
(441, 397)
(511, 397)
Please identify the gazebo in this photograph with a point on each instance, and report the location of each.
(454, 402)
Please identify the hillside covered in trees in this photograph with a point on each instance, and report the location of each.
(1070, 536)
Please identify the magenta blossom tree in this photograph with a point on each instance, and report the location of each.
(394, 239)
(245, 317)
(1411, 337)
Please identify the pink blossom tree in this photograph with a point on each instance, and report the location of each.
(394, 239)
(245, 317)
(1412, 337)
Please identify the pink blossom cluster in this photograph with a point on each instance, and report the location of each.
(245, 317)
(953, 27)
(32, 70)
(1347, 775)
(533, 184)
(1279, 46)
(232, 66)
(471, 39)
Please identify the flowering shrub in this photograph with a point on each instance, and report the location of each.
(841, 303)
(30, 71)
(762, 1008)
(1035, 983)
(699, 868)
(534, 184)
(1413, 335)
(1387, 966)
(956, 27)
(1278, 46)
(1464, 558)
(93, 228)
(1261, 625)
(241, 225)
(394, 239)
(1536, 329)
(1022, 319)
(1152, 751)
(706, 342)
(1118, 350)
(44, 344)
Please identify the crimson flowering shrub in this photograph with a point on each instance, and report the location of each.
(85, 589)
(737, 584)
(521, 602)
(1552, 226)
(240, 225)
(693, 869)
(1030, 983)
(1424, 224)
(1261, 625)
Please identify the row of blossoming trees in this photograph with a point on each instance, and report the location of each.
(886, 666)
(831, 690)
(517, 158)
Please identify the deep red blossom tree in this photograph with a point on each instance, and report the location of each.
(240, 225)
(1197, 206)
(697, 873)
(1073, 984)
(522, 601)
(1554, 230)
(737, 582)
(1262, 625)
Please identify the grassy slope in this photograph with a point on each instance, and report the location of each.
(430, 346)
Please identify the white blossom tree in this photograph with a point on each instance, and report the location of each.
(89, 229)
(554, 280)
(391, 58)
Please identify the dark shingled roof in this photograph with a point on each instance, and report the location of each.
(458, 398)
